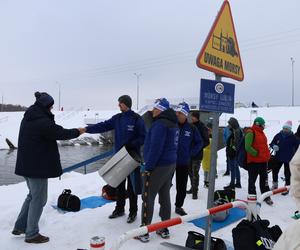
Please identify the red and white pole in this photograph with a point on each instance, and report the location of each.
(268, 194)
(176, 221)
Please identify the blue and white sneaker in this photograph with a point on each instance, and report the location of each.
(164, 233)
(143, 238)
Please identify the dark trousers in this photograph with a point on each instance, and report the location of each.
(234, 171)
(121, 193)
(181, 182)
(193, 172)
(157, 182)
(287, 172)
(255, 169)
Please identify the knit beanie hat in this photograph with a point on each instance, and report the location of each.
(44, 99)
(184, 108)
(161, 104)
(259, 121)
(126, 99)
(288, 125)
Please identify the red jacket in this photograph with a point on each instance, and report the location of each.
(260, 143)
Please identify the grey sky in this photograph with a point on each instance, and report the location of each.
(94, 47)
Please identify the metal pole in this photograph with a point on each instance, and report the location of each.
(212, 173)
(137, 89)
(293, 61)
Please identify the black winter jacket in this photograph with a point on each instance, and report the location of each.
(38, 155)
(205, 138)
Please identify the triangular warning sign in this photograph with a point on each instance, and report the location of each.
(220, 52)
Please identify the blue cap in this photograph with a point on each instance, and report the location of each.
(184, 108)
(161, 104)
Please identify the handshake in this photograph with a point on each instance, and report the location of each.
(81, 130)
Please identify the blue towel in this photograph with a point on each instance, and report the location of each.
(93, 202)
(89, 202)
(235, 214)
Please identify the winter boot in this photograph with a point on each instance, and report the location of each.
(116, 213)
(180, 211)
(17, 232)
(189, 191)
(238, 185)
(131, 217)
(206, 184)
(38, 239)
(195, 196)
(164, 233)
(275, 185)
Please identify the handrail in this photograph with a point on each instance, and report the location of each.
(89, 161)
(175, 221)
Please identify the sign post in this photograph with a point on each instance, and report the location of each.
(219, 54)
(218, 97)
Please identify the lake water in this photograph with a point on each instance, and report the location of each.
(69, 156)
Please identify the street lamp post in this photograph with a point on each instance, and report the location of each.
(293, 86)
(137, 89)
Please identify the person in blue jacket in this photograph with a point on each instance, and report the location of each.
(160, 154)
(189, 144)
(285, 144)
(37, 160)
(129, 131)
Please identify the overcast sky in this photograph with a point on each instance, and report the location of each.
(92, 49)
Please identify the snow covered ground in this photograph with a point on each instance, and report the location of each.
(74, 230)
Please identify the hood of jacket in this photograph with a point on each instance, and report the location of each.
(234, 123)
(169, 115)
(37, 111)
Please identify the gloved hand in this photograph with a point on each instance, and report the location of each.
(275, 148)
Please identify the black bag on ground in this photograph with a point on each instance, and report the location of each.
(228, 195)
(195, 240)
(255, 235)
(109, 192)
(68, 201)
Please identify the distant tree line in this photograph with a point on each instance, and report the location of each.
(11, 108)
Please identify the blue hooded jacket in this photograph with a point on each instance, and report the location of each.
(288, 145)
(160, 147)
(189, 144)
(129, 130)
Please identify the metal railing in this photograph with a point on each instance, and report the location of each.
(89, 161)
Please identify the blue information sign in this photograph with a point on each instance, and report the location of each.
(217, 96)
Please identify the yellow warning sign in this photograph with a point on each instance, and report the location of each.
(220, 52)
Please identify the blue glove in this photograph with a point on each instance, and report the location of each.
(275, 148)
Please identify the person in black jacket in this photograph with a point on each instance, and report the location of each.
(194, 167)
(37, 160)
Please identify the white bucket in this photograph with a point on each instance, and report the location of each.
(119, 167)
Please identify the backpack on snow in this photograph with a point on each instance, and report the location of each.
(68, 201)
(227, 195)
(241, 153)
(255, 235)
